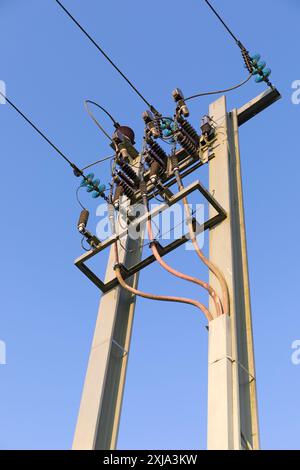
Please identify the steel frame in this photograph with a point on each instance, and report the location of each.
(164, 250)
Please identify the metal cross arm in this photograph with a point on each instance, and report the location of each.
(257, 105)
(128, 271)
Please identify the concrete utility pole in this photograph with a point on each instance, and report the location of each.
(232, 402)
(100, 409)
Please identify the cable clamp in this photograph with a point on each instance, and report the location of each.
(77, 172)
(124, 351)
(189, 220)
(253, 379)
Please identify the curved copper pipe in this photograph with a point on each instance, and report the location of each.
(181, 275)
(163, 298)
(211, 266)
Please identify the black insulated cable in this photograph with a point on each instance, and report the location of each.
(116, 124)
(223, 23)
(77, 171)
(107, 57)
(217, 92)
(87, 108)
(245, 52)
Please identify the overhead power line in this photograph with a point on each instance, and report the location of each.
(57, 150)
(223, 23)
(107, 57)
(251, 63)
(76, 170)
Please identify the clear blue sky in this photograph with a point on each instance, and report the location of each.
(48, 308)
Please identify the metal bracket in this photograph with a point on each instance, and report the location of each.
(119, 348)
(257, 105)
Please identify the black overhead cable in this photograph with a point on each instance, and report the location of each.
(40, 133)
(76, 170)
(106, 56)
(245, 53)
(223, 23)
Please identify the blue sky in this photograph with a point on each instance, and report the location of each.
(48, 308)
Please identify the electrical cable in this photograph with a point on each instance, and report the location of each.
(78, 199)
(82, 245)
(165, 265)
(176, 273)
(211, 266)
(57, 150)
(77, 172)
(116, 124)
(194, 212)
(226, 90)
(86, 103)
(155, 196)
(146, 295)
(249, 61)
(107, 57)
(98, 161)
(157, 235)
(163, 298)
(224, 24)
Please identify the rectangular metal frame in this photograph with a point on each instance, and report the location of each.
(128, 272)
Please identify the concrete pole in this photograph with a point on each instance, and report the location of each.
(100, 409)
(231, 385)
(220, 409)
(232, 402)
